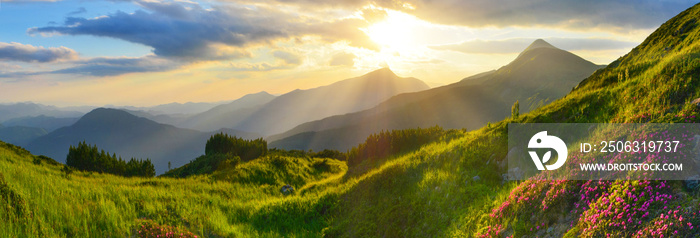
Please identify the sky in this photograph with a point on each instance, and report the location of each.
(150, 52)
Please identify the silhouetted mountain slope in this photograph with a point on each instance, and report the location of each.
(20, 135)
(227, 115)
(541, 73)
(350, 95)
(45, 122)
(120, 132)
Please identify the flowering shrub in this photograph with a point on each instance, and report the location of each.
(673, 223)
(491, 231)
(623, 208)
(532, 202)
(598, 208)
(639, 208)
(150, 229)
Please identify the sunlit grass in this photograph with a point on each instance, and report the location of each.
(246, 201)
(93, 204)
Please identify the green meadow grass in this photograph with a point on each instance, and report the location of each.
(422, 193)
(85, 204)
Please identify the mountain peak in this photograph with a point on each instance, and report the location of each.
(107, 115)
(262, 93)
(382, 72)
(539, 43)
(106, 111)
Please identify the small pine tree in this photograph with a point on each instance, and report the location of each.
(515, 110)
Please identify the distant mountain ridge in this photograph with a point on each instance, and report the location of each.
(20, 135)
(227, 115)
(28, 109)
(120, 132)
(173, 108)
(541, 73)
(283, 112)
(346, 96)
(45, 122)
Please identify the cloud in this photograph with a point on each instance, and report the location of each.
(517, 45)
(343, 59)
(105, 66)
(288, 57)
(374, 15)
(345, 29)
(5, 66)
(623, 15)
(425, 61)
(113, 66)
(27, 53)
(260, 67)
(80, 10)
(188, 31)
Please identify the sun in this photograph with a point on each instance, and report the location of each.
(397, 31)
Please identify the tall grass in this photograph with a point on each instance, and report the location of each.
(85, 204)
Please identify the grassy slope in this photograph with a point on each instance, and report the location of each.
(428, 192)
(102, 205)
(422, 193)
(653, 83)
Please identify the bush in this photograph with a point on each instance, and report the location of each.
(221, 152)
(229, 163)
(322, 165)
(279, 162)
(288, 153)
(205, 164)
(333, 154)
(149, 229)
(45, 159)
(66, 171)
